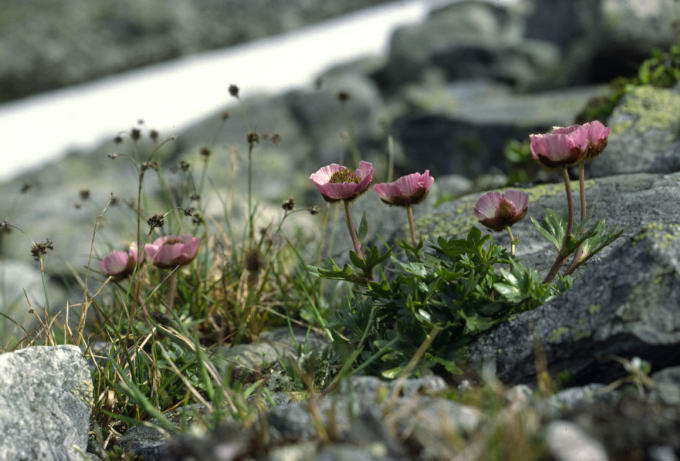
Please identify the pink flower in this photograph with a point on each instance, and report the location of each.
(171, 251)
(561, 147)
(119, 263)
(407, 190)
(496, 211)
(336, 182)
(598, 135)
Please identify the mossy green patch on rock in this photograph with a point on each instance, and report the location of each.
(458, 222)
(462, 217)
(663, 235)
(594, 309)
(558, 334)
(651, 108)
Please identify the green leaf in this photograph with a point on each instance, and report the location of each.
(363, 227)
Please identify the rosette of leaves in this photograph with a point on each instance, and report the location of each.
(444, 297)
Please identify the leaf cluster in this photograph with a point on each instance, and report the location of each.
(457, 288)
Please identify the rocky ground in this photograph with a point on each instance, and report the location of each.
(68, 42)
(609, 344)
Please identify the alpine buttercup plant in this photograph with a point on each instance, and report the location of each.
(172, 251)
(405, 192)
(338, 183)
(119, 264)
(564, 147)
(499, 211)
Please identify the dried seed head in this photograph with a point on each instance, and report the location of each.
(234, 91)
(288, 205)
(157, 220)
(113, 201)
(343, 96)
(118, 139)
(188, 211)
(40, 249)
(276, 139)
(205, 152)
(197, 219)
(84, 194)
(253, 138)
(184, 165)
(195, 197)
(25, 188)
(153, 134)
(135, 134)
(253, 261)
(314, 210)
(150, 165)
(140, 121)
(5, 227)
(77, 206)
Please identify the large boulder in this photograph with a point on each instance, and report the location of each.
(623, 303)
(462, 128)
(45, 404)
(645, 134)
(468, 40)
(601, 39)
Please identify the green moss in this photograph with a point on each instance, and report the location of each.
(558, 334)
(662, 235)
(594, 309)
(651, 108)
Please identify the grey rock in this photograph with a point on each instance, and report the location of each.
(468, 40)
(568, 399)
(45, 404)
(150, 442)
(567, 442)
(324, 117)
(611, 309)
(449, 186)
(92, 40)
(630, 424)
(667, 385)
(662, 453)
(463, 128)
(305, 451)
(564, 21)
(645, 134)
(427, 421)
(270, 349)
(601, 39)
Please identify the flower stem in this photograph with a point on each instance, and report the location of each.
(582, 190)
(562, 255)
(139, 215)
(412, 225)
(513, 242)
(352, 231)
(251, 226)
(584, 214)
(172, 291)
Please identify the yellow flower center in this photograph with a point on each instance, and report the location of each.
(344, 176)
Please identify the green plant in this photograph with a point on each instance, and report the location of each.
(660, 70)
(454, 291)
